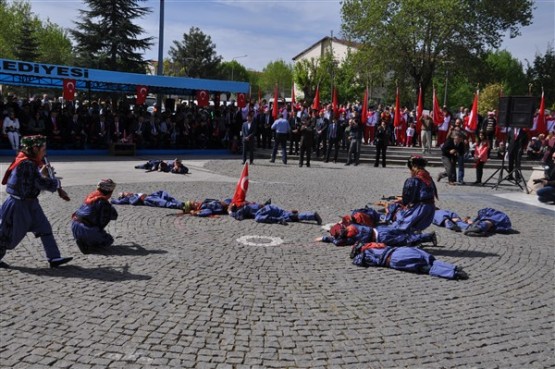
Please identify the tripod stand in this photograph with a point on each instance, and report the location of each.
(514, 176)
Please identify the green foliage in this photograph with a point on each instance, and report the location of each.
(489, 98)
(414, 38)
(196, 55)
(305, 74)
(233, 71)
(277, 72)
(24, 36)
(542, 74)
(502, 68)
(107, 38)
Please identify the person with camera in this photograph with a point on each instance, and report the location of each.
(546, 194)
(354, 138)
(451, 149)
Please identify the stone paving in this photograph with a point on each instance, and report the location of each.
(182, 292)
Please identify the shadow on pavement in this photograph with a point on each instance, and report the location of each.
(463, 253)
(73, 271)
(126, 250)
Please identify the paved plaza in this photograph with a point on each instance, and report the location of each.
(179, 291)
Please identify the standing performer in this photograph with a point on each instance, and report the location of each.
(25, 178)
(89, 221)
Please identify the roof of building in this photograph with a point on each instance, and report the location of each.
(352, 44)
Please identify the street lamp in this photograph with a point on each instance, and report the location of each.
(233, 64)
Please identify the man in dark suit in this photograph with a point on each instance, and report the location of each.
(249, 133)
(333, 140)
(517, 140)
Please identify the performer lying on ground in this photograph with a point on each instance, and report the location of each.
(206, 208)
(171, 166)
(247, 210)
(274, 214)
(408, 259)
(487, 222)
(341, 235)
(90, 220)
(159, 199)
(364, 216)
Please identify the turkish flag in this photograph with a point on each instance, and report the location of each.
(364, 113)
(542, 124)
(241, 100)
(335, 105)
(316, 101)
(275, 109)
(397, 116)
(473, 117)
(293, 100)
(438, 114)
(203, 98)
(141, 92)
(242, 186)
(69, 89)
(419, 110)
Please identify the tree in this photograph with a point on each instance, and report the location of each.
(107, 38)
(27, 44)
(277, 72)
(542, 74)
(489, 98)
(418, 36)
(233, 71)
(501, 67)
(20, 39)
(196, 55)
(306, 77)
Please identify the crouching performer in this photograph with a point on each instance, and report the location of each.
(274, 214)
(25, 178)
(487, 222)
(408, 259)
(90, 220)
(341, 235)
(206, 208)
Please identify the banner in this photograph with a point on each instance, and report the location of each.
(203, 98)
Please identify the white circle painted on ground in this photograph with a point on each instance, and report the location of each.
(260, 241)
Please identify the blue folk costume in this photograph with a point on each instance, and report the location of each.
(207, 208)
(354, 233)
(21, 212)
(418, 200)
(449, 220)
(489, 221)
(274, 214)
(90, 220)
(245, 211)
(158, 199)
(151, 165)
(408, 259)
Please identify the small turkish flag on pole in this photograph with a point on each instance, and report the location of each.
(419, 110)
(473, 118)
(364, 113)
(241, 100)
(397, 116)
(316, 101)
(275, 110)
(69, 89)
(542, 123)
(203, 98)
(242, 186)
(141, 92)
(438, 114)
(335, 104)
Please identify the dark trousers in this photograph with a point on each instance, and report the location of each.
(248, 147)
(381, 149)
(305, 149)
(354, 151)
(281, 140)
(333, 142)
(321, 141)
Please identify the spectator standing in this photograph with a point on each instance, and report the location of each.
(481, 152)
(426, 133)
(333, 140)
(307, 138)
(282, 129)
(381, 142)
(248, 132)
(11, 128)
(450, 150)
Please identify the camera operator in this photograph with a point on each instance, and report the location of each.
(547, 192)
(450, 151)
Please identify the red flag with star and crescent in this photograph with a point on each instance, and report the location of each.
(203, 98)
(141, 92)
(438, 114)
(473, 117)
(69, 89)
(316, 101)
(240, 195)
(241, 100)
(397, 116)
(275, 110)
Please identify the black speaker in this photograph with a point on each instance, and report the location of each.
(517, 111)
(170, 105)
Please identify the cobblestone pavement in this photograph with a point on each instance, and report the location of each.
(182, 292)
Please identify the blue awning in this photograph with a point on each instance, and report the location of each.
(30, 74)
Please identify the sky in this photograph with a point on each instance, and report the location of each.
(267, 31)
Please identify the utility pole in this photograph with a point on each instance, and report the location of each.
(160, 69)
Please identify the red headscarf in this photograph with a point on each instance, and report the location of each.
(20, 158)
(95, 196)
(425, 177)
